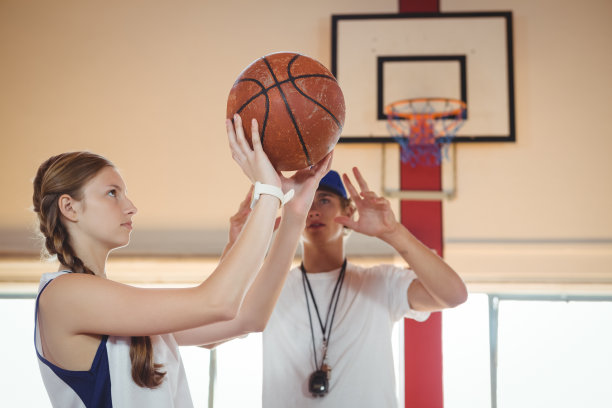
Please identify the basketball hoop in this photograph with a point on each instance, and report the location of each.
(425, 127)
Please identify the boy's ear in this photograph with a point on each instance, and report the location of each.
(350, 210)
(66, 206)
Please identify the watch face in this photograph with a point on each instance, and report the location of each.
(318, 384)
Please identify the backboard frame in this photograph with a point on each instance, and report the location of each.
(375, 46)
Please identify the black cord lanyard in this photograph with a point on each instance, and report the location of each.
(334, 300)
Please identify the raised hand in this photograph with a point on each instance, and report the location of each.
(375, 215)
(305, 183)
(253, 161)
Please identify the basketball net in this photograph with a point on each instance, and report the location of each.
(424, 128)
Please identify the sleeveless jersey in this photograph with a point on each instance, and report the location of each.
(108, 382)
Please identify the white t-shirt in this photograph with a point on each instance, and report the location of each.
(360, 348)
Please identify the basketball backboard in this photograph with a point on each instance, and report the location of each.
(382, 58)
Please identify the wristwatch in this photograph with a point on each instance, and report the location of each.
(261, 188)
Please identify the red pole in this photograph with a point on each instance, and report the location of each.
(423, 341)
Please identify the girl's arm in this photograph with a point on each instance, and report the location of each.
(265, 290)
(87, 304)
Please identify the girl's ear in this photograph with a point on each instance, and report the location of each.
(66, 206)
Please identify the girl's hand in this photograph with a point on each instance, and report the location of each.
(375, 215)
(305, 183)
(253, 161)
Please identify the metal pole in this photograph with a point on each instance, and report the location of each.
(212, 377)
(493, 325)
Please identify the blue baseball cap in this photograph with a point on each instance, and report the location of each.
(332, 182)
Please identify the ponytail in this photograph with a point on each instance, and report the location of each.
(145, 372)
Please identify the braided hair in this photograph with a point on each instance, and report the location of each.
(68, 173)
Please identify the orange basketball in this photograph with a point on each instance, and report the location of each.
(298, 105)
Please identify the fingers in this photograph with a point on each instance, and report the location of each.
(246, 202)
(365, 194)
(323, 166)
(240, 138)
(231, 137)
(243, 210)
(252, 160)
(239, 218)
(238, 153)
(315, 172)
(255, 139)
(370, 195)
(363, 186)
(346, 221)
(328, 162)
(229, 127)
(351, 188)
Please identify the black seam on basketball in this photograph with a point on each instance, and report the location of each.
(276, 85)
(264, 91)
(310, 76)
(251, 99)
(295, 125)
(293, 79)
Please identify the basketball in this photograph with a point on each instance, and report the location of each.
(298, 105)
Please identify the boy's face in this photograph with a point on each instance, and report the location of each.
(320, 224)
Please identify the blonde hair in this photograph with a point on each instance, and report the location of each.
(68, 173)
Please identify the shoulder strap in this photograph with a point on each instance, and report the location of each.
(36, 316)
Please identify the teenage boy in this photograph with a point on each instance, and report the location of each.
(328, 339)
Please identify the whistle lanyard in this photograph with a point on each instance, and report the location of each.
(326, 331)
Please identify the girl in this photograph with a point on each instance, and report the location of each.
(101, 343)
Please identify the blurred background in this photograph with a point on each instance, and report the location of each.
(145, 83)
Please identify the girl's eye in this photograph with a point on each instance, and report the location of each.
(112, 193)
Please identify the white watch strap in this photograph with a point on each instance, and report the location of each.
(261, 188)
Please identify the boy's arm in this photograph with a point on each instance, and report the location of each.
(437, 285)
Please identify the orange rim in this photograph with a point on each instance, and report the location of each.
(391, 111)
